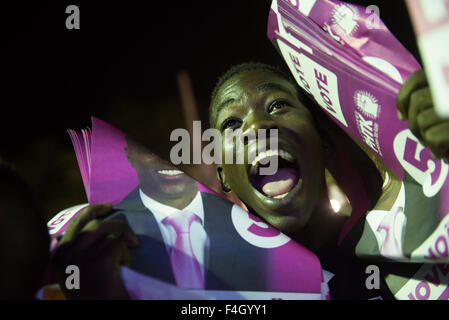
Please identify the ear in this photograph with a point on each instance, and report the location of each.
(222, 178)
(128, 152)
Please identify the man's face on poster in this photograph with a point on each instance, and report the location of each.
(157, 178)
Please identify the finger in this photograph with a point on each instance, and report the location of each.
(87, 248)
(114, 252)
(105, 252)
(95, 230)
(101, 271)
(70, 248)
(89, 214)
(420, 100)
(427, 119)
(438, 140)
(416, 81)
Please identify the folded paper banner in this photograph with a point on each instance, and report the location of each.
(334, 57)
(354, 70)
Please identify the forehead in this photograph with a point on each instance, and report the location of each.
(248, 84)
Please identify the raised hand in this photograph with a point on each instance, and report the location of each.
(414, 102)
(98, 248)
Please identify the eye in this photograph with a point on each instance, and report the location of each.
(231, 123)
(276, 105)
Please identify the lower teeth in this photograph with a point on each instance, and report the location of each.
(281, 196)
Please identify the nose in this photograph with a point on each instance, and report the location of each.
(255, 121)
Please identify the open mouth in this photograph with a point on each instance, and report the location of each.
(286, 180)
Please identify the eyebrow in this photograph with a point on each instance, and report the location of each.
(270, 86)
(222, 106)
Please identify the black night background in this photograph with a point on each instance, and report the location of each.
(121, 66)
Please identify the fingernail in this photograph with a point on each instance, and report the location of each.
(400, 116)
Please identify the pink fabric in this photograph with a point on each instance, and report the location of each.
(185, 266)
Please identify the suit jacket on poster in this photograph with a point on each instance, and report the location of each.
(234, 264)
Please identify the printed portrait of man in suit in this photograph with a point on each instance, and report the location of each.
(219, 258)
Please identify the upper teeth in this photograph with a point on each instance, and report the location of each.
(270, 153)
(170, 172)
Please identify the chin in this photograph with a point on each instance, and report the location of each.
(285, 219)
(173, 191)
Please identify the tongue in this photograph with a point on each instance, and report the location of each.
(279, 183)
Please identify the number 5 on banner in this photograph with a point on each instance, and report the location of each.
(419, 163)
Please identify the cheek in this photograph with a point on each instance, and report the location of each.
(237, 180)
(302, 123)
(234, 173)
(233, 149)
(227, 148)
(299, 116)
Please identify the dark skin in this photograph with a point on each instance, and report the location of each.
(305, 214)
(172, 190)
(99, 248)
(257, 105)
(415, 105)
